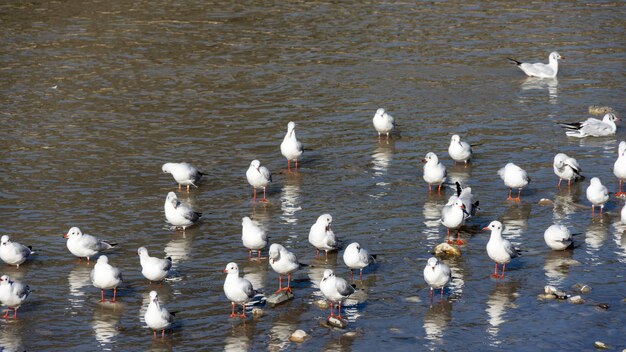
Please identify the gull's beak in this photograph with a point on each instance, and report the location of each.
(424, 160)
(562, 57)
(226, 270)
(66, 236)
(486, 228)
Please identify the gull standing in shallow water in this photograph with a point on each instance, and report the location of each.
(12, 294)
(539, 69)
(321, 235)
(459, 151)
(336, 290)
(258, 177)
(153, 268)
(499, 250)
(383, 123)
(13, 253)
(157, 317)
(514, 177)
(619, 168)
(558, 237)
(434, 172)
(179, 214)
(105, 277)
(184, 174)
(597, 194)
(437, 275)
(566, 168)
(291, 148)
(237, 289)
(284, 263)
(357, 257)
(453, 217)
(253, 236)
(85, 246)
(591, 127)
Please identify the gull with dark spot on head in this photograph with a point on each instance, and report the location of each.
(499, 249)
(383, 123)
(291, 148)
(597, 194)
(153, 268)
(356, 257)
(558, 237)
(336, 290)
(437, 275)
(184, 174)
(540, 69)
(14, 253)
(84, 245)
(591, 127)
(460, 151)
(253, 236)
(12, 294)
(283, 262)
(514, 177)
(258, 177)
(321, 235)
(566, 168)
(435, 173)
(157, 317)
(179, 214)
(106, 277)
(237, 289)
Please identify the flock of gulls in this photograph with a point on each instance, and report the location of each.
(239, 291)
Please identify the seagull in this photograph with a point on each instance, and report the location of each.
(237, 289)
(597, 194)
(558, 237)
(157, 317)
(383, 123)
(434, 172)
(85, 246)
(153, 268)
(284, 263)
(357, 257)
(500, 250)
(105, 277)
(13, 253)
(253, 236)
(321, 236)
(566, 168)
(336, 290)
(514, 177)
(179, 214)
(453, 217)
(592, 127)
(459, 151)
(258, 177)
(619, 168)
(12, 294)
(184, 174)
(466, 196)
(539, 69)
(291, 148)
(437, 275)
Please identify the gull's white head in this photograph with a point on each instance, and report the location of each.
(595, 182)
(379, 112)
(166, 167)
(4, 240)
(326, 220)
(433, 262)
(142, 251)
(5, 278)
(459, 203)
(232, 268)
(291, 126)
(73, 232)
(555, 56)
(172, 198)
(610, 117)
(328, 273)
(494, 226)
(622, 148)
(456, 138)
(274, 252)
(431, 157)
(559, 160)
(103, 259)
(246, 221)
(354, 246)
(255, 164)
(154, 297)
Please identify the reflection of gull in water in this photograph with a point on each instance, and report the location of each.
(595, 236)
(458, 274)
(11, 338)
(381, 158)
(515, 220)
(316, 271)
(565, 202)
(501, 297)
(290, 199)
(535, 83)
(432, 213)
(237, 343)
(436, 320)
(460, 173)
(620, 240)
(78, 279)
(255, 272)
(179, 248)
(557, 265)
(282, 327)
(104, 324)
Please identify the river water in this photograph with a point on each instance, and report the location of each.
(97, 95)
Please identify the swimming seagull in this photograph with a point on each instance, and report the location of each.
(499, 250)
(383, 123)
(321, 235)
(85, 246)
(184, 174)
(539, 69)
(157, 317)
(558, 237)
(253, 236)
(237, 289)
(619, 168)
(12, 294)
(458, 150)
(336, 290)
(566, 168)
(13, 253)
(597, 194)
(434, 172)
(437, 275)
(105, 277)
(153, 268)
(592, 127)
(291, 148)
(283, 262)
(357, 257)
(258, 177)
(179, 214)
(514, 177)
(452, 217)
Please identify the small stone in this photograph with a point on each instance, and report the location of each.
(603, 306)
(446, 250)
(257, 312)
(582, 288)
(549, 289)
(278, 298)
(338, 323)
(322, 304)
(351, 334)
(600, 110)
(545, 201)
(546, 296)
(576, 300)
(600, 345)
(298, 336)
(413, 299)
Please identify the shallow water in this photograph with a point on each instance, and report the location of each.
(139, 84)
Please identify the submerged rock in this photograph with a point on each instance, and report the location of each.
(546, 296)
(447, 250)
(545, 201)
(582, 288)
(298, 336)
(257, 312)
(322, 304)
(600, 110)
(576, 300)
(600, 345)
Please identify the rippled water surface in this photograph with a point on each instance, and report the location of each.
(97, 95)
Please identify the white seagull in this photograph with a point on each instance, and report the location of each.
(13, 253)
(291, 148)
(499, 250)
(437, 275)
(434, 172)
(184, 174)
(237, 289)
(179, 214)
(597, 194)
(592, 127)
(356, 257)
(258, 177)
(558, 237)
(84, 245)
(283, 262)
(566, 168)
(153, 268)
(12, 294)
(514, 177)
(539, 69)
(157, 317)
(336, 290)
(453, 217)
(321, 235)
(619, 168)
(468, 199)
(383, 122)
(253, 236)
(105, 277)
(459, 151)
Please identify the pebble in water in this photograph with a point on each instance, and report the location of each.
(298, 336)
(446, 250)
(576, 300)
(582, 288)
(600, 110)
(600, 345)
